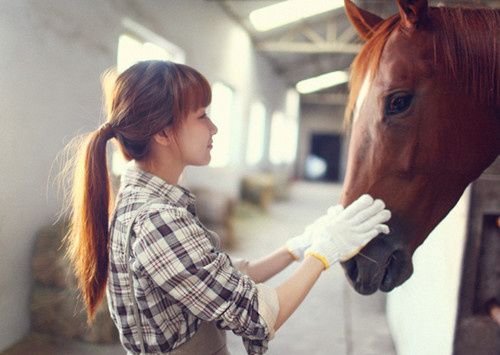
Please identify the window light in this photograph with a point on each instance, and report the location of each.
(131, 51)
(284, 137)
(256, 133)
(322, 82)
(286, 12)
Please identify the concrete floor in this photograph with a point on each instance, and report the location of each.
(332, 319)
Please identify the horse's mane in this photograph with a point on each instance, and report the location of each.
(468, 43)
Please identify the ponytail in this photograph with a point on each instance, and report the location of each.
(90, 203)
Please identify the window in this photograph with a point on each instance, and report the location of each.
(292, 124)
(256, 132)
(139, 43)
(291, 130)
(221, 113)
(279, 139)
(131, 51)
(284, 131)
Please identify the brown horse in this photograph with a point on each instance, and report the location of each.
(424, 114)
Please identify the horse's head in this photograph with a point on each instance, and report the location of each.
(425, 123)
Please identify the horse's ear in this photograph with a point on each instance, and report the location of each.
(413, 12)
(363, 21)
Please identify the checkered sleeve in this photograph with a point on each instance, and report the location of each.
(255, 346)
(177, 255)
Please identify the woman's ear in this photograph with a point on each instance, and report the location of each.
(364, 21)
(163, 137)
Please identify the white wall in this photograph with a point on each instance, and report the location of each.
(422, 312)
(52, 53)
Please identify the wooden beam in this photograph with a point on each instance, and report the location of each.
(308, 47)
(312, 35)
(324, 99)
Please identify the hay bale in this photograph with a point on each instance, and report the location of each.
(56, 307)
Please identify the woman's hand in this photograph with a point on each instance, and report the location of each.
(340, 237)
(299, 244)
(337, 235)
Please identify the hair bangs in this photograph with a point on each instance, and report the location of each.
(194, 91)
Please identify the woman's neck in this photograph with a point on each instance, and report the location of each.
(167, 171)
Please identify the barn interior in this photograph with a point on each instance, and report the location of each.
(278, 163)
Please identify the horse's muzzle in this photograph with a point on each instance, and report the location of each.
(379, 265)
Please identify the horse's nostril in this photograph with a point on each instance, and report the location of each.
(351, 268)
(387, 280)
(397, 271)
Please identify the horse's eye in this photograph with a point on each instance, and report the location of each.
(397, 103)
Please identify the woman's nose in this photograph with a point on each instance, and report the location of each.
(213, 128)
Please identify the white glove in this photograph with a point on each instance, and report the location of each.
(298, 245)
(344, 235)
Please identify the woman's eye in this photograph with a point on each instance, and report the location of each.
(397, 103)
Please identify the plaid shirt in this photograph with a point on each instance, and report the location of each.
(181, 277)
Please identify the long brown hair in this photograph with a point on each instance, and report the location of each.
(145, 99)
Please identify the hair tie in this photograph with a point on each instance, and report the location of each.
(107, 130)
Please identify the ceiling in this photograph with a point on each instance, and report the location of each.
(319, 44)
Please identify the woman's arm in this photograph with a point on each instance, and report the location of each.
(336, 239)
(292, 292)
(263, 269)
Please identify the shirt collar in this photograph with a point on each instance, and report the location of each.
(155, 186)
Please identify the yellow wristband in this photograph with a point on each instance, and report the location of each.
(320, 257)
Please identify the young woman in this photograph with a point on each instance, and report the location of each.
(170, 289)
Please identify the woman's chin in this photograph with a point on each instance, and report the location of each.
(203, 162)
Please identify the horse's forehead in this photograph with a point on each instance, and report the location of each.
(409, 43)
(406, 59)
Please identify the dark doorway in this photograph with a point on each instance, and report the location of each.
(325, 148)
